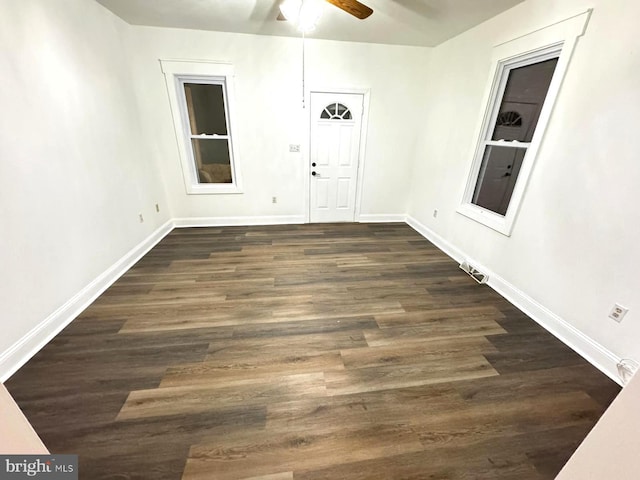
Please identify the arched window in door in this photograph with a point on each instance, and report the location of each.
(509, 119)
(336, 111)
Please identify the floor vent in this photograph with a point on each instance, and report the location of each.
(474, 273)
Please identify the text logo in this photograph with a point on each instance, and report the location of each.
(50, 467)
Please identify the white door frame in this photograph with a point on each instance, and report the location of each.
(364, 127)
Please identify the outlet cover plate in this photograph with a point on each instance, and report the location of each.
(618, 312)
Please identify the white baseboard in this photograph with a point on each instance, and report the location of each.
(599, 356)
(237, 221)
(436, 239)
(382, 218)
(596, 354)
(25, 348)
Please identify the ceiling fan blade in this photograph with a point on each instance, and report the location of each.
(353, 7)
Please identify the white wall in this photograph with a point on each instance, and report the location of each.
(610, 450)
(74, 174)
(18, 436)
(270, 116)
(574, 247)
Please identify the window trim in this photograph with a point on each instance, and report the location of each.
(177, 73)
(503, 69)
(557, 40)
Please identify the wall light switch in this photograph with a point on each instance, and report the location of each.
(294, 148)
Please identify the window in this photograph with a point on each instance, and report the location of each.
(209, 132)
(336, 111)
(201, 98)
(508, 139)
(519, 101)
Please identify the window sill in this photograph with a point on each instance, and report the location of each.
(487, 218)
(212, 189)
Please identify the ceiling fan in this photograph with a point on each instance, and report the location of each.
(352, 7)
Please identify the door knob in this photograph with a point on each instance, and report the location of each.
(313, 164)
(313, 173)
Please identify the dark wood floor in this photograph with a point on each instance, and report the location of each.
(310, 352)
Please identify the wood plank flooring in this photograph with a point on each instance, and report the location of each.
(346, 351)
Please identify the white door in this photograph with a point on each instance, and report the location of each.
(336, 120)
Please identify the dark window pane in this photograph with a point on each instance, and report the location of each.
(336, 111)
(205, 104)
(522, 101)
(497, 177)
(212, 160)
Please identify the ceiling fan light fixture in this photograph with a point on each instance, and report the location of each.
(304, 14)
(290, 9)
(310, 14)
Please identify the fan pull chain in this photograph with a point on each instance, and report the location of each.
(303, 37)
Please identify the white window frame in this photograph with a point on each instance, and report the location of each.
(555, 41)
(176, 74)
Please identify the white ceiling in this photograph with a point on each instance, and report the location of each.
(400, 22)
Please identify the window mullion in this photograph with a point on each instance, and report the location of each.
(507, 143)
(210, 137)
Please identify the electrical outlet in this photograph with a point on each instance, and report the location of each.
(274, 199)
(141, 218)
(435, 213)
(618, 312)
(157, 208)
(294, 148)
